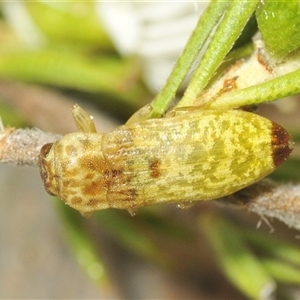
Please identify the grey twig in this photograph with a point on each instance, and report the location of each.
(265, 198)
(268, 198)
(22, 146)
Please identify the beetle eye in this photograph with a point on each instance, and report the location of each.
(44, 169)
(45, 150)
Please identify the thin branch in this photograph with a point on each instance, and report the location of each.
(22, 146)
(265, 198)
(270, 199)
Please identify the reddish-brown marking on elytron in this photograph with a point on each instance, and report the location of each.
(154, 167)
(280, 144)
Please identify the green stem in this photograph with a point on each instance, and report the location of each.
(204, 27)
(229, 29)
(276, 88)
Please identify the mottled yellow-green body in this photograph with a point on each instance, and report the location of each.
(196, 155)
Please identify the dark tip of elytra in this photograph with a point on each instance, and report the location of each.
(281, 144)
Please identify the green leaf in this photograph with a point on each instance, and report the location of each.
(285, 257)
(279, 24)
(71, 69)
(82, 245)
(282, 271)
(121, 227)
(69, 22)
(229, 29)
(238, 264)
(196, 42)
(272, 246)
(278, 87)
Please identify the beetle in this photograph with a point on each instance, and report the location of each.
(190, 155)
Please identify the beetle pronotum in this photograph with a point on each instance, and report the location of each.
(189, 156)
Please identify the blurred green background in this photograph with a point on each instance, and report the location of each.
(53, 54)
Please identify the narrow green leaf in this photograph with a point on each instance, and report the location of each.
(272, 246)
(279, 87)
(82, 246)
(203, 29)
(228, 31)
(69, 69)
(238, 264)
(165, 227)
(279, 24)
(282, 271)
(119, 224)
(69, 22)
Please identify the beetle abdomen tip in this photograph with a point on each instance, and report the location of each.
(281, 144)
